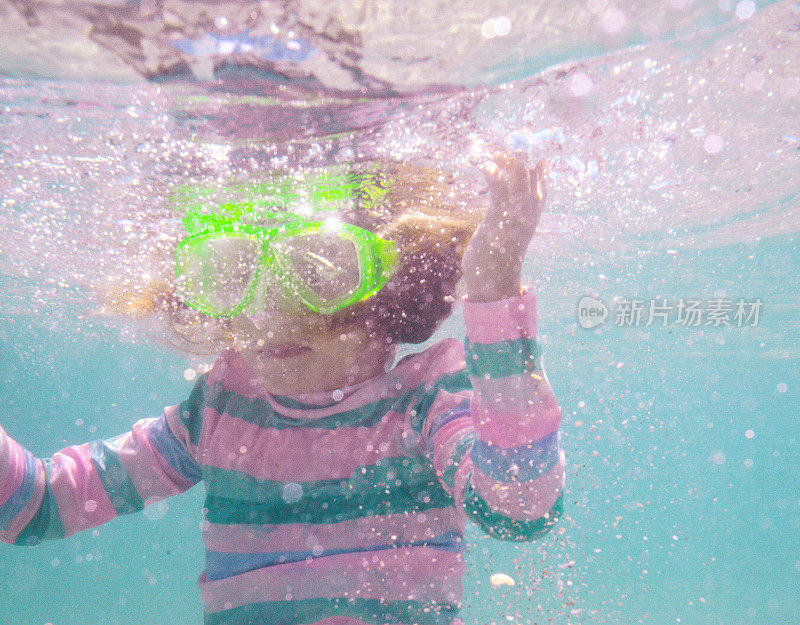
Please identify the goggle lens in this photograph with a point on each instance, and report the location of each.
(216, 273)
(325, 266)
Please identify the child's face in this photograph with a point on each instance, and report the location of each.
(294, 350)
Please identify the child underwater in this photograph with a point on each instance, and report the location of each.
(337, 486)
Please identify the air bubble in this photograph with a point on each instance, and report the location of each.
(496, 27)
(501, 579)
(581, 84)
(292, 492)
(713, 144)
(754, 81)
(613, 20)
(155, 511)
(502, 26)
(745, 9)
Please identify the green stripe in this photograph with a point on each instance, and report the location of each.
(459, 451)
(450, 383)
(46, 524)
(239, 498)
(307, 611)
(505, 528)
(259, 412)
(503, 359)
(191, 409)
(114, 477)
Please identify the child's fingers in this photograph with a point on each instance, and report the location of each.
(497, 180)
(513, 169)
(545, 165)
(538, 179)
(507, 160)
(500, 157)
(489, 168)
(510, 181)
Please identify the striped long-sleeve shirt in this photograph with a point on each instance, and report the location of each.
(340, 508)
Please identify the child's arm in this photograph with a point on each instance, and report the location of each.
(513, 476)
(87, 485)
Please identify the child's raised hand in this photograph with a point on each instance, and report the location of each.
(492, 263)
(517, 197)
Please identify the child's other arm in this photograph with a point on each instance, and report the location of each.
(514, 476)
(83, 486)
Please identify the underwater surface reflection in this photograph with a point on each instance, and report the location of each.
(676, 168)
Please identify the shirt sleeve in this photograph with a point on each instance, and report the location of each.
(86, 485)
(497, 448)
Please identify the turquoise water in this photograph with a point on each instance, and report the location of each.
(676, 171)
(674, 514)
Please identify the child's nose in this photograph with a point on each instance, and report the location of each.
(272, 297)
(271, 305)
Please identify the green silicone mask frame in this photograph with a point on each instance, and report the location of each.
(377, 259)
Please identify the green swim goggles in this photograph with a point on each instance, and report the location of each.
(326, 265)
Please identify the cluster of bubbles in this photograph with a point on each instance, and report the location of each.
(676, 146)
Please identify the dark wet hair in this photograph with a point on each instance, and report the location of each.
(414, 303)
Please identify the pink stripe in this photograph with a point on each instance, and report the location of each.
(232, 372)
(446, 439)
(79, 493)
(504, 320)
(340, 620)
(366, 395)
(522, 501)
(293, 455)
(366, 532)
(25, 515)
(152, 476)
(235, 375)
(446, 356)
(175, 423)
(348, 620)
(11, 484)
(12, 466)
(404, 574)
(514, 393)
(511, 429)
